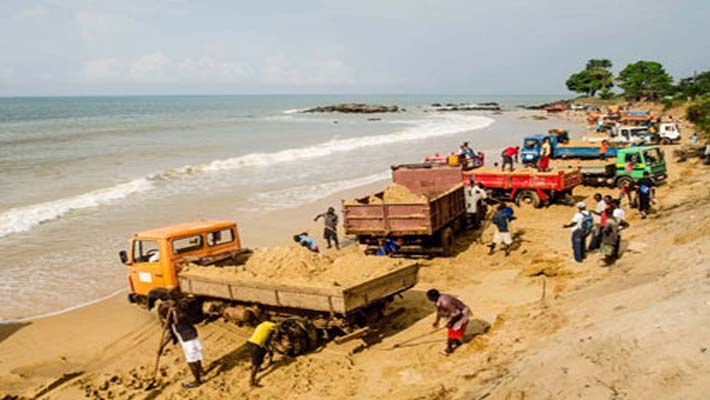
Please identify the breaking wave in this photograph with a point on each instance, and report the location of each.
(21, 219)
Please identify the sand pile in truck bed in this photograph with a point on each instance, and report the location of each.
(393, 194)
(296, 265)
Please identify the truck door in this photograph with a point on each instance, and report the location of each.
(146, 271)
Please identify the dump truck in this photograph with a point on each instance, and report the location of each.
(427, 224)
(532, 147)
(526, 186)
(616, 172)
(168, 261)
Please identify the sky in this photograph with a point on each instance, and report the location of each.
(138, 47)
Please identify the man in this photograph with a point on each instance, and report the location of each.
(182, 331)
(304, 240)
(581, 225)
(602, 205)
(501, 219)
(603, 149)
(694, 138)
(545, 153)
(475, 203)
(330, 226)
(468, 154)
(259, 345)
(457, 315)
(645, 193)
(388, 247)
(610, 237)
(508, 155)
(620, 216)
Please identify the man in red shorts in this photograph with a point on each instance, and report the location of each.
(457, 315)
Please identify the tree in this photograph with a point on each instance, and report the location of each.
(645, 80)
(699, 113)
(599, 63)
(693, 86)
(595, 77)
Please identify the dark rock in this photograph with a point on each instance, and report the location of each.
(353, 108)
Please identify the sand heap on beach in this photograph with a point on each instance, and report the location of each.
(297, 265)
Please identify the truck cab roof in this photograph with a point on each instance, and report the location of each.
(184, 229)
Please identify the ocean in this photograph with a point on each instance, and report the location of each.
(80, 175)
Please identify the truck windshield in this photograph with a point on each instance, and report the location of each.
(220, 237)
(530, 144)
(145, 251)
(653, 156)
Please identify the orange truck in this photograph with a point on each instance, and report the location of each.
(308, 313)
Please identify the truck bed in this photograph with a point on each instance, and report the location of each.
(525, 178)
(338, 300)
(587, 167)
(401, 219)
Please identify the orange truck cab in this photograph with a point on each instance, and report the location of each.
(155, 256)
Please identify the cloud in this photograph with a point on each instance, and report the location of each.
(280, 70)
(7, 74)
(34, 13)
(159, 68)
(93, 24)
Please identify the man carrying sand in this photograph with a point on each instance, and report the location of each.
(259, 345)
(457, 315)
(502, 219)
(330, 227)
(181, 328)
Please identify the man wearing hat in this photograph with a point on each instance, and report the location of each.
(581, 226)
(330, 229)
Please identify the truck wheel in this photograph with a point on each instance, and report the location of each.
(447, 242)
(528, 198)
(666, 141)
(622, 181)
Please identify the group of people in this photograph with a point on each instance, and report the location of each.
(465, 157)
(330, 232)
(180, 325)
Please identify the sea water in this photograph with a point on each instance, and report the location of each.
(79, 175)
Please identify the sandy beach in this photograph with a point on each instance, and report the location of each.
(544, 326)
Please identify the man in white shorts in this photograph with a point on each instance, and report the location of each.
(501, 219)
(183, 331)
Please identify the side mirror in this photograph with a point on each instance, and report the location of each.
(123, 256)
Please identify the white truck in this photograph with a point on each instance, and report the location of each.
(668, 133)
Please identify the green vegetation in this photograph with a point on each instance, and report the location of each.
(694, 86)
(699, 114)
(595, 77)
(645, 80)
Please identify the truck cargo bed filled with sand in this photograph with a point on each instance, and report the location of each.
(294, 277)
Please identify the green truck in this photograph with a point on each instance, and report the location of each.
(629, 165)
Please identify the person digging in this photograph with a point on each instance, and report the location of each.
(457, 315)
(182, 330)
(260, 345)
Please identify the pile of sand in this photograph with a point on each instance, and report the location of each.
(297, 265)
(396, 194)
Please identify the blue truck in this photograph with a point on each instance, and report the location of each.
(532, 146)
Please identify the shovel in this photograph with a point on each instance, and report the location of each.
(153, 382)
(416, 338)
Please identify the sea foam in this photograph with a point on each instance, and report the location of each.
(21, 219)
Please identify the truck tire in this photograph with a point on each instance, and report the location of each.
(447, 241)
(528, 198)
(666, 141)
(622, 180)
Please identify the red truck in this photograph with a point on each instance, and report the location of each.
(526, 186)
(426, 224)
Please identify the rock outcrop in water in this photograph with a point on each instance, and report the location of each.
(353, 108)
(489, 106)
